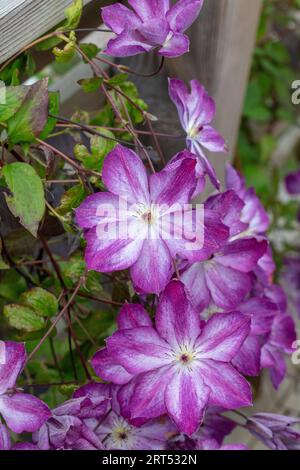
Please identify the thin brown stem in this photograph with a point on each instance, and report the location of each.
(57, 319)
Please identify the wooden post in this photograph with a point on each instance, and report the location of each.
(22, 21)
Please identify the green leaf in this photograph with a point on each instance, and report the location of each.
(11, 285)
(71, 199)
(73, 269)
(118, 79)
(31, 118)
(23, 318)
(90, 50)
(27, 201)
(100, 147)
(41, 301)
(30, 66)
(73, 14)
(90, 84)
(12, 99)
(53, 109)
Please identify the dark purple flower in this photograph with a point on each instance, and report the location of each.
(150, 24)
(150, 221)
(224, 279)
(21, 411)
(292, 183)
(196, 111)
(275, 431)
(181, 366)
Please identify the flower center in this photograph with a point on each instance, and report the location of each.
(194, 131)
(185, 356)
(148, 214)
(121, 434)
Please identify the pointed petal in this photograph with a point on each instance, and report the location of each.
(284, 333)
(262, 312)
(11, 364)
(223, 336)
(110, 253)
(98, 207)
(194, 280)
(138, 349)
(174, 185)
(195, 147)
(153, 268)
(128, 43)
(212, 140)
(234, 180)
(155, 31)
(107, 369)
(178, 45)
(176, 319)
(273, 360)
(247, 360)
(242, 255)
(132, 316)
(228, 388)
(125, 175)
(229, 207)
(148, 398)
(227, 286)
(186, 399)
(182, 15)
(23, 412)
(179, 94)
(118, 17)
(150, 9)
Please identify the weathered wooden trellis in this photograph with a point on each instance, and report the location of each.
(222, 43)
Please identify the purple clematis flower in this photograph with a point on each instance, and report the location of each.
(224, 280)
(66, 428)
(292, 183)
(275, 431)
(151, 24)
(21, 411)
(181, 366)
(116, 433)
(196, 111)
(212, 444)
(150, 221)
